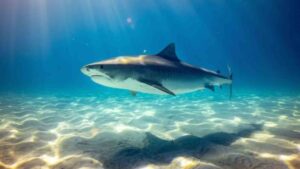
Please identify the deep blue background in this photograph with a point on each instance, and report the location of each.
(43, 44)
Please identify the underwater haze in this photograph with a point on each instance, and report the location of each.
(52, 116)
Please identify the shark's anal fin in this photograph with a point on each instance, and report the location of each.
(157, 86)
(133, 93)
(210, 87)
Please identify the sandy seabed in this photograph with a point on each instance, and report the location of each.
(149, 132)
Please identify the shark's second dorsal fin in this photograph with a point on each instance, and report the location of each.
(169, 53)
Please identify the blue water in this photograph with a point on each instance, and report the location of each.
(53, 116)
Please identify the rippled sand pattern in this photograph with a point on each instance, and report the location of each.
(188, 132)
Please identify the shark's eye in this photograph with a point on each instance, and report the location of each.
(101, 66)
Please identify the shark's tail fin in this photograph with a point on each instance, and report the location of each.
(230, 85)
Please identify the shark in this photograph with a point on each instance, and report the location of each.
(162, 73)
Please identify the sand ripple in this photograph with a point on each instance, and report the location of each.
(124, 132)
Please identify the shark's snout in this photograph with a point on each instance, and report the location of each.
(85, 70)
(93, 70)
(89, 70)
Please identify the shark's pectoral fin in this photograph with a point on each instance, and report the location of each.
(157, 86)
(210, 87)
(162, 88)
(133, 93)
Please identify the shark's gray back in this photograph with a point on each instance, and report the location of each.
(158, 68)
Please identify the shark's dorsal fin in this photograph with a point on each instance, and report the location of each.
(169, 53)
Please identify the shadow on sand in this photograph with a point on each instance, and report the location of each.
(159, 151)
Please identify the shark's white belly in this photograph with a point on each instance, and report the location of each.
(134, 85)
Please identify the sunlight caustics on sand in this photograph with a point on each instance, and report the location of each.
(149, 132)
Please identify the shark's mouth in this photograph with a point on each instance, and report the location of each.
(101, 76)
